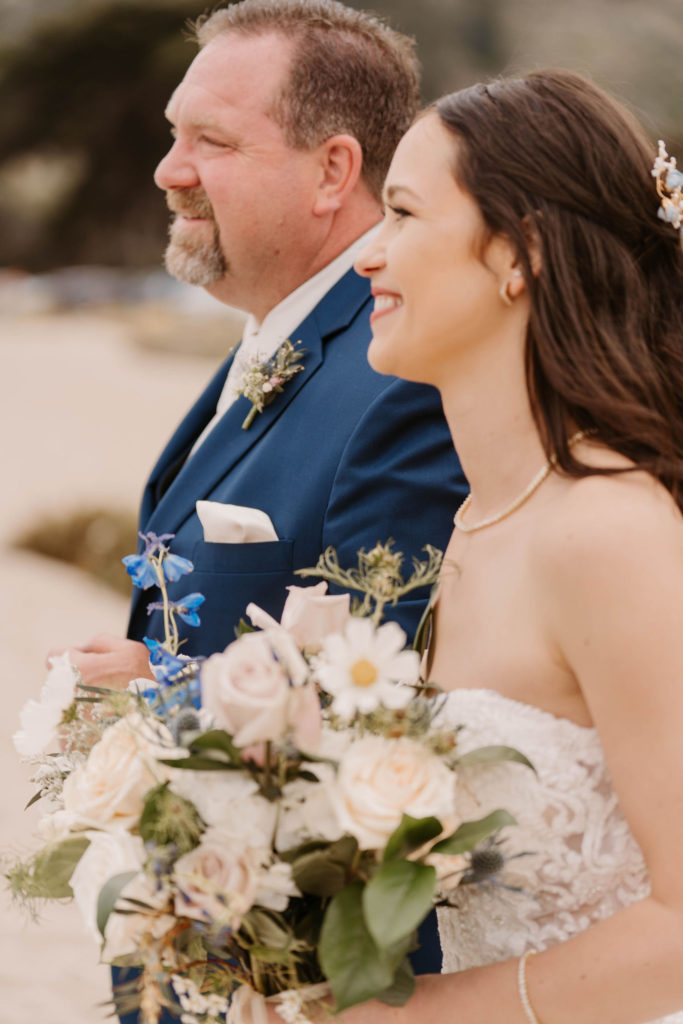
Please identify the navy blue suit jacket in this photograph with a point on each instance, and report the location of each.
(343, 457)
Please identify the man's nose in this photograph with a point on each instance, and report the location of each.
(175, 170)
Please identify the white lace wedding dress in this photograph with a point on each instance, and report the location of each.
(581, 862)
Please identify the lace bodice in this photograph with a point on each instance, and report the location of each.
(572, 853)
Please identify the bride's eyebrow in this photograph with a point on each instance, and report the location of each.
(392, 190)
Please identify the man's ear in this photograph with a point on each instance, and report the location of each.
(341, 161)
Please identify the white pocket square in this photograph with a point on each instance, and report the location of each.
(234, 524)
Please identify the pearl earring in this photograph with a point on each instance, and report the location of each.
(505, 296)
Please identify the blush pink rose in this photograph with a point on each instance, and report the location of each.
(309, 615)
(247, 691)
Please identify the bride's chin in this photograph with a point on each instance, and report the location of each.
(385, 359)
(382, 359)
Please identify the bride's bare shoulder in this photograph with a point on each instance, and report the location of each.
(606, 521)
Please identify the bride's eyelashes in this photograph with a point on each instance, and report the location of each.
(398, 211)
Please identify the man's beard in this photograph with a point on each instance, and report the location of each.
(190, 257)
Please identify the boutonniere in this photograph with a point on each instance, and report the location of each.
(262, 381)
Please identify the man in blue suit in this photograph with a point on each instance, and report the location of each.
(284, 126)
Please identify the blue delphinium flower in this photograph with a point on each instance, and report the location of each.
(175, 566)
(167, 668)
(140, 571)
(141, 567)
(185, 608)
(169, 672)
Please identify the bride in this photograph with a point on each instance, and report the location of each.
(523, 270)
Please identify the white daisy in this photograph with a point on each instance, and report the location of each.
(361, 667)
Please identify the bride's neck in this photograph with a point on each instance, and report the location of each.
(488, 412)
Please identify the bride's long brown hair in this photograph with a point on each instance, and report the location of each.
(551, 155)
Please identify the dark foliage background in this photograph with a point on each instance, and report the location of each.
(83, 84)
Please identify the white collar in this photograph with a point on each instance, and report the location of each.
(278, 324)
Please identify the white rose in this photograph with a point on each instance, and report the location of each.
(218, 880)
(381, 779)
(307, 811)
(247, 691)
(40, 719)
(110, 854)
(54, 826)
(109, 789)
(229, 801)
(309, 615)
(276, 887)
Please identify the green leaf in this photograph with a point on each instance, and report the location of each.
(54, 866)
(425, 624)
(217, 739)
(355, 967)
(34, 799)
(397, 899)
(402, 988)
(168, 817)
(106, 691)
(410, 835)
(323, 872)
(109, 894)
(243, 627)
(489, 755)
(471, 833)
(200, 764)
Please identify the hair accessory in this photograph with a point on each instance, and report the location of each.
(532, 486)
(521, 985)
(669, 188)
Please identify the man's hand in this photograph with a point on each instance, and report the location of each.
(109, 661)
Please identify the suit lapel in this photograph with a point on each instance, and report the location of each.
(227, 443)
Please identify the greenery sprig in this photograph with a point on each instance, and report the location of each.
(263, 380)
(378, 576)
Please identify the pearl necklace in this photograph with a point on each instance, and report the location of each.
(532, 486)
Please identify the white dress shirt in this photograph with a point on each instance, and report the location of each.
(261, 341)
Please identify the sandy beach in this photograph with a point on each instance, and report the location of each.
(84, 414)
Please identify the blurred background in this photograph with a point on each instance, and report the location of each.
(102, 352)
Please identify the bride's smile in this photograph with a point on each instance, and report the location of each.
(435, 274)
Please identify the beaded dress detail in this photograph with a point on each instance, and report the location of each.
(579, 864)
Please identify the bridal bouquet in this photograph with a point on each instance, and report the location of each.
(276, 816)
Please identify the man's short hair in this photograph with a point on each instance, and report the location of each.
(350, 74)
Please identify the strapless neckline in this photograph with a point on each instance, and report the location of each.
(533, 710)
(570, 861)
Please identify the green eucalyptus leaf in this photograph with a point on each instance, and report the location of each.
(354, 965)
(323, 872)
(397, 899)
(410, 835)
(471, 833)
(489, 755)
(217, 739)
(54, 866)
(109, 894)
(267, 930)
(402, 988)
(200, 764)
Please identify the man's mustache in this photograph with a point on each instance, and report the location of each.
(190, 202)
